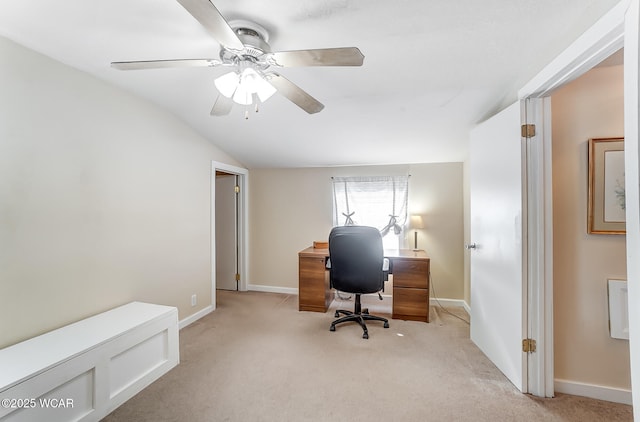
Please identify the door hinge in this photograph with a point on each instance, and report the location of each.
(237, 189)
(237, 277)
(528, 345)
(528, 131)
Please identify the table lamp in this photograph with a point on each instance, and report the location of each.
(416, 223)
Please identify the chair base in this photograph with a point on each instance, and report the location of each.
(359, 315)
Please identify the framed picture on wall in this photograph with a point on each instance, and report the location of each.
(606, 208)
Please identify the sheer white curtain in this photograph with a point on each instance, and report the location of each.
(377, 201)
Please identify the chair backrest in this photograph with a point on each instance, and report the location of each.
(357, 257)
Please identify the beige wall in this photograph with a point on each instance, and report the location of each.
(590, 107)
(290, 208)
(104, 199)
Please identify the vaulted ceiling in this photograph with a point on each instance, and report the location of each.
(432, 68)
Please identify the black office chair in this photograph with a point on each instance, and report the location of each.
(357, 258)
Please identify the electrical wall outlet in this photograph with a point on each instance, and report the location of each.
(194, 300)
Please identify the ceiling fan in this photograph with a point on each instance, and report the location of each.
(245, 49)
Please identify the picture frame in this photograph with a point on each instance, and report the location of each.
(606, 204)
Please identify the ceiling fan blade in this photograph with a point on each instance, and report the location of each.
(294, 93)
(343, 56)
(206, 13)
(222, 106)
(161, 64)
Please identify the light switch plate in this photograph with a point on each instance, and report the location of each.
(618, 309)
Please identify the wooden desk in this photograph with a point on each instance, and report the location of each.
(410, 282)
(314, 293)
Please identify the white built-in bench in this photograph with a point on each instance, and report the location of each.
(83, 371)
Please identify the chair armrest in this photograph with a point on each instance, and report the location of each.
(385, 270)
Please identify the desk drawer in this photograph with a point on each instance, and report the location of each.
(411, 304)
(411, 273)
(314, 293)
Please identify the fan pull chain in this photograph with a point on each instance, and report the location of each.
(246, 108)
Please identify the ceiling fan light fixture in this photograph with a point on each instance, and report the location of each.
(242, 96)
(263, 88)
(241, 87)
(227, 83)
(245, 48)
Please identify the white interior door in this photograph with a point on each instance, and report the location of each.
(632, 183)
(226, 232)
(496, 202)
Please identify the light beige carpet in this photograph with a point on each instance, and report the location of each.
(256, 358)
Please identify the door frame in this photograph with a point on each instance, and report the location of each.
(538, 246)
(632, 174)
(243, 218)
(605, 37)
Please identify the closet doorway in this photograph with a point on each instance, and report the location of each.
(226, 220)
(590, 106)
(602, 40)
(228, 228)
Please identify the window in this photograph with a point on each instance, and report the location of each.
(379, 202)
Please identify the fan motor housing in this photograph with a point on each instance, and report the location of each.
(254, 37)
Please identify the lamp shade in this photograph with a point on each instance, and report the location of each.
(227, 83)
(416, 222)
(241, 87)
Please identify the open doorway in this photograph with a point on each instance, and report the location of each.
(229, 217)
(589, 107)
(616, 29)
(227, 233)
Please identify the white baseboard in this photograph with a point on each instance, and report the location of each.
(449, 302)
(293, 291)
(616, 395)
(272, 289)
(194, 317)
(254, 287)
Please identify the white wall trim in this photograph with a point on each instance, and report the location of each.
(457, 303)
(228, 168)
(466, 307)
(272, 289)
(194, 317)
(632, 173)
(600, 392)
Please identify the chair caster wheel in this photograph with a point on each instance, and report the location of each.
(386, 325)
(332, 328)
(336, 315)
(365, 335)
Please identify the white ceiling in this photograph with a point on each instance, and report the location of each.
(432, 68)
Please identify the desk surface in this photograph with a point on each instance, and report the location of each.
(388, 253)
